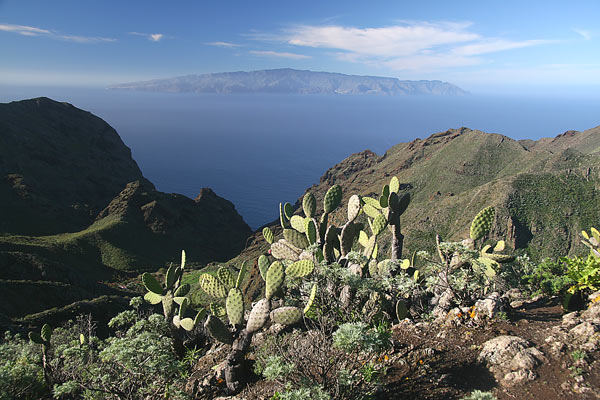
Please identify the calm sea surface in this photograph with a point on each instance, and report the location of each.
(259, 150)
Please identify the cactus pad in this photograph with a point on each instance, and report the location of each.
(379, 224)
(218, 330)
(401, 310)
(263, 266)
(501, 258)
(288, 210)
(46, 332)
(282, 218)
(286, 315)
(347, 237)
(36, 338)
(372, 202)
(500, 246)
(309, 205)
(187, 324)
(363, 238)
(184, 305)
(383, 201)
(258, 316)
(217, 310)
(300, 269)
(310, 304)
(311, 231)
(332, 199)
(490, 266)
(171, 276)
(268, 234)
(235, 307)
(282, 251)
(353, 207)
(370, 248)
(212, 286)
(482, 223)
(274, 280)
(295, 238)
(153, 298)
(151, 283)
(371, 211)
(226, 277)
(297, 222)
(373, 269)
(183, 290)
(241, 274)
(394, 185)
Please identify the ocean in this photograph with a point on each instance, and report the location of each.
(259, 150)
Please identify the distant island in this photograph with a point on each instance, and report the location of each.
(288, 81)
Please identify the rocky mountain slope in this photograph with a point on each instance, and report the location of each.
(545, 191)
(77, 215)
(287, 80)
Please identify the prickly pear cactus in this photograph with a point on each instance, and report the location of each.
(226, 277)
(298, 223)
(218, 330)
(300, 269)
(309, 205)
(268, 234)
(482, 223)
(283, 251)
(310, 304)
(332, 199)
(353, 207)
(258, 316)
(235, 307)
(212, 286)
(311, 231)
(263, 266)
(394, 185)
(151, 283)
(401, 310)
(274, 280)
(286, 315)
(295, 238)
(379, 224)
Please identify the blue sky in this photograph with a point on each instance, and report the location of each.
(478, 45)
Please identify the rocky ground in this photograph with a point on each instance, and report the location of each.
(527, 349)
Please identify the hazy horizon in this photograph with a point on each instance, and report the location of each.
(485, 48)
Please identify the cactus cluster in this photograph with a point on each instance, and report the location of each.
(383, 212)
(171, 293)
(274, 275)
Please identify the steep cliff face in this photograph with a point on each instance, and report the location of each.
(59, 166)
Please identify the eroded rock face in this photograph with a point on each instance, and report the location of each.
(511, 359)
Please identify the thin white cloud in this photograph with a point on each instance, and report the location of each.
(223, 44)
(495, 45)
(408, 45)
(25, 30)
(587, 35)
(280, 54)
(153, 37)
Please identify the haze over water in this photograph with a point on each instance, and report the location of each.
(259, 150)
